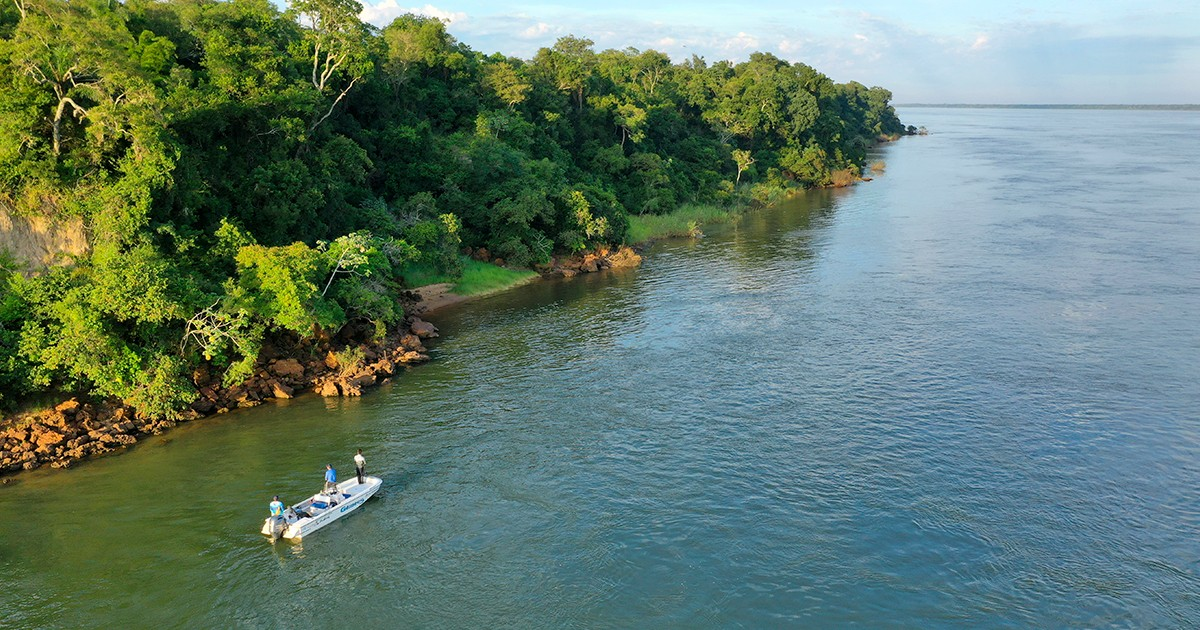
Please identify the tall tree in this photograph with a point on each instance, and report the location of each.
(338, 42)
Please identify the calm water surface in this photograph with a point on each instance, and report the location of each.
(965, 394)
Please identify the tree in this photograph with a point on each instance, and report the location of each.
(744, 160)
(278, 284)
(508, 86)
(570, 61)
(74, 51)
(338, 43)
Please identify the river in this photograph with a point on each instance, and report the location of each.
(964, 394)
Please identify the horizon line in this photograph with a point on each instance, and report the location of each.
(1161, 106)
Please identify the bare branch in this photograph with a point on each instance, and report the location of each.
(335, 102)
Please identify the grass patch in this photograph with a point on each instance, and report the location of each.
(685, 221)
(422, 275)
(478, 277)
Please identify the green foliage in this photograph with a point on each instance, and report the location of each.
(14, 368)
(479, 278)
(279, 285)
(684, 221)
(243, 170)
(349, 360)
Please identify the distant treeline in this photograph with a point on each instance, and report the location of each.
(1163, 107)
(245, 171)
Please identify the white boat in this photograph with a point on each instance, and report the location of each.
(321, 509)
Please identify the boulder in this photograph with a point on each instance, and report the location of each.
(68, 408)
(56, 419)
(279, 390)
(349, 389)
(423, 329)
(384, 367)
(412, 342)
(331, 360)
(413, 357)
(48, 437)
(204, 406)
(288, 368)
(328, 389)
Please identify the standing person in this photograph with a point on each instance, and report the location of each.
(330, 479)
(360, 465)
(276, 506)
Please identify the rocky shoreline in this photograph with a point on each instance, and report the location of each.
(75, 430)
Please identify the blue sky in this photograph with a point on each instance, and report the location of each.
(931, 51)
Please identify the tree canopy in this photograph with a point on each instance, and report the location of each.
(245, 170)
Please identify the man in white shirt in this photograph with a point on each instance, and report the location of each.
(360, 464)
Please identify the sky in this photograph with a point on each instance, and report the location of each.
(924, 51)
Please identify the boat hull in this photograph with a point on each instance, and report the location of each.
(318, 511)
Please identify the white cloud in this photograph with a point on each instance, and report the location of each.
(788, 46)
(981, 42)
(537, 30)
(742, 41)
(666, 42)
(382, 13)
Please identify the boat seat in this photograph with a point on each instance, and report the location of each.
(320, 505)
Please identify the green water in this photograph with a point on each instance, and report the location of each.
(961, 395)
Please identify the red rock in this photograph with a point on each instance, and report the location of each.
(279, 390)
(413, 357)
(328, 389)
(287, 368)
(204, 406)
(412, 342)
(423, 329)
(48, 438)
(69, 407)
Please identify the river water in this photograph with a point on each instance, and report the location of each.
(962, 395)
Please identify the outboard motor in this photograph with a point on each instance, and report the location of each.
(274, 527)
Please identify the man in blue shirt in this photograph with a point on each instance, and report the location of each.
(276, 506)
(330, 479)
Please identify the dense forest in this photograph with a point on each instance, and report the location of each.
(244, 171)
